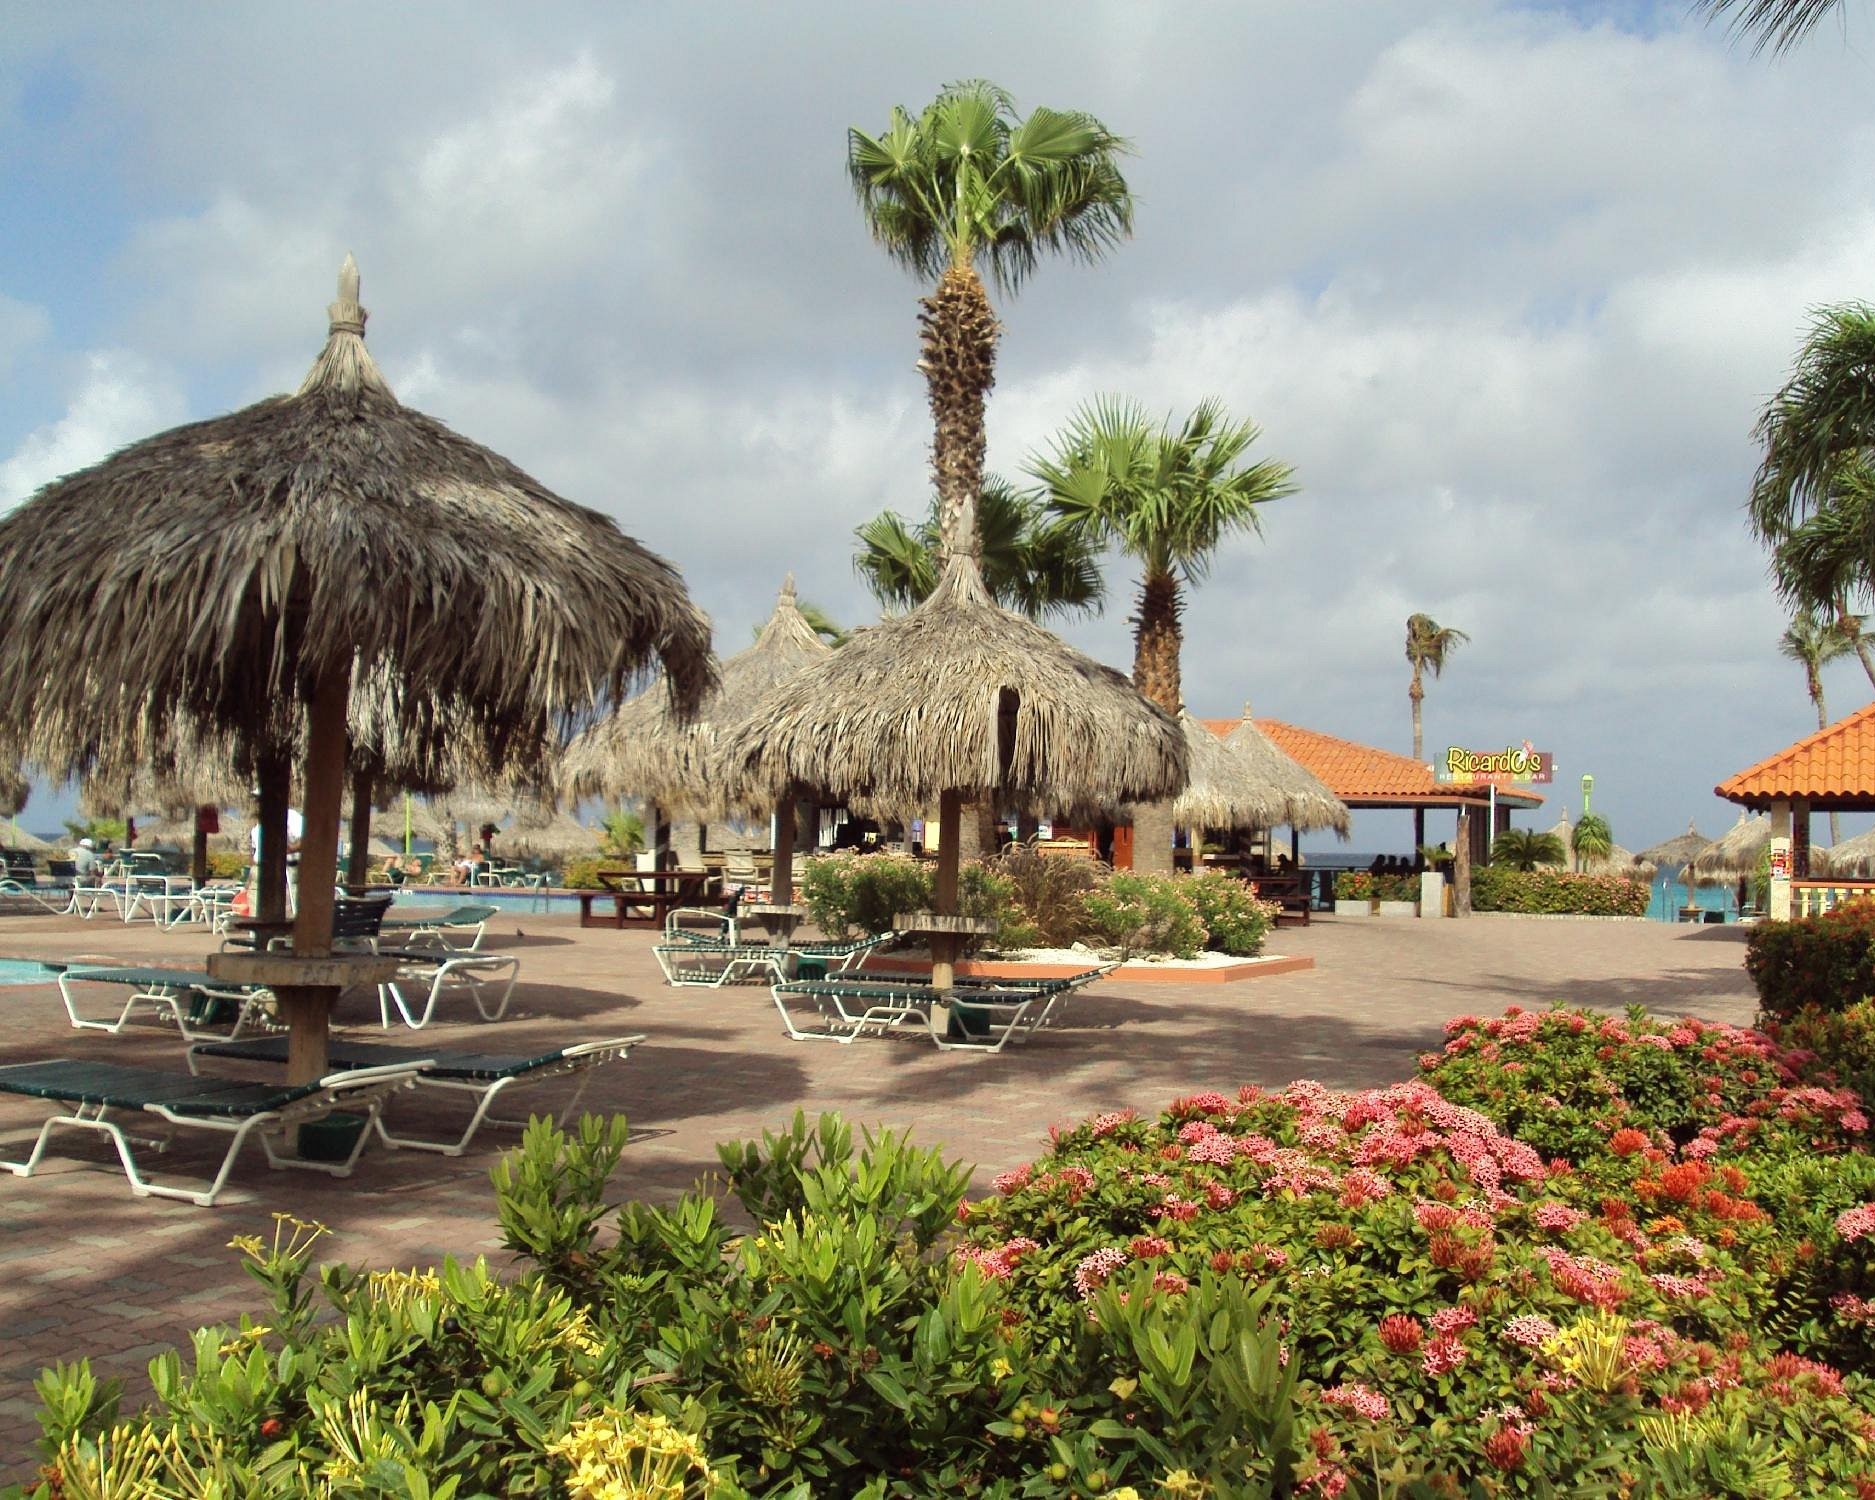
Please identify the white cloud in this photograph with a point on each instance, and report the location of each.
(119, 400)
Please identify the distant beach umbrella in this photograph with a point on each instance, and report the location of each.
(1679, 850)
(1564, 834)
(179, 833)
(15, 837)
(559, 837)
(645, 750)
(1734, 855)
(1301, 799)
(1621, 861)
(239, 576)
(1853, 858)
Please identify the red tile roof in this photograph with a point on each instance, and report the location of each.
(1360, 774)
(1837, 762)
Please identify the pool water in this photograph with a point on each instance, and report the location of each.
(27, 971)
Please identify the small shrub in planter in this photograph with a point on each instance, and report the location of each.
(1049, 890)
(1825, 962)
(1234, 920)
(1354, 885)
(849, 893)
(1145, 914)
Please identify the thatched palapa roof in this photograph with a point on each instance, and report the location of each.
(1680, 850)
(214, 574)
(1301, 798)
(559, 837)
(1735, 853)
(958, 695)
(645, 750)
(1853, 858)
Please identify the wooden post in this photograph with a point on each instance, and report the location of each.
(358, 861)
(1461, 865)
(198, 852)
(781, 876)
(944, 944)
(308, 1008)
(275, 777)
(1419, 833)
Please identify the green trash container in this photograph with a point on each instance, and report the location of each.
(810, 968)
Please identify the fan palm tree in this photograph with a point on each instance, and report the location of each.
(1032, 563)
(969, 184)
(1167, 495)
(1825, 559)
(1524, 849)
(1428, 643)
(1592, 837)
(1777, 24)
(1813, 642)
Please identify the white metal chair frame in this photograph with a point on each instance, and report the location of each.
(169, 1000)
(473, 973)
(362, 1088)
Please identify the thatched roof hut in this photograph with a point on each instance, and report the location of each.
(227, 572)
(559, 837)
(1734, 855)
(1621, 862)
(15, 837)
(957, 698)
(239, 576)
(1853, 858)
(645, 750)
(1677, 852)
(958, 695)
(1301, 799)
(179, 833)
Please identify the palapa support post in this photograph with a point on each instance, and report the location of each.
(781, 875)
(274, 776)
(308, 1008)
(358, 859)
(198, 851)
(944, 945)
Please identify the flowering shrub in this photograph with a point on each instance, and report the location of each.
(1398, 887)
(1841, 1042)
(1578, 1085)
(1354, 885)
(1145, 914)
(1456, 1303)
(1049, 889)
(1235, 921)
(849, 892)
(1825, 962)
(1556, 893)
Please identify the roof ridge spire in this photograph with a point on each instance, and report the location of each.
(345, 366)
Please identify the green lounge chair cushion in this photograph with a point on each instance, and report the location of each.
(122, 1086)
(342, 1052)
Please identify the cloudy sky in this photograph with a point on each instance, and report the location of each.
(1506, 283)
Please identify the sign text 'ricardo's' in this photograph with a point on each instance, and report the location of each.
(1512, 763)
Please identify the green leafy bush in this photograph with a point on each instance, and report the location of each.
(849, 893)
(1556, 893)
(1569, 1082)
(1234, 920)
(1825, 963)
(1150, 914)
(1354, 885)
(226, 864)
(583, 874)
(1396, 887)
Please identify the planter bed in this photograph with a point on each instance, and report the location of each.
(1140, 970)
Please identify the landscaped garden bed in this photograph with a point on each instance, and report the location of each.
(1580, 1254)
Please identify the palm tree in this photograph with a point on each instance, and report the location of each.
(1428, 643)
(1592, 837)
(1813, 642)
(1777, 24)
(1523, 849)
(1032, 563)
(1168, 496)
(1824, 560)
(969, 183)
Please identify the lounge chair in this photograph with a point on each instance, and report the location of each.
(457, 927)
(185, 997)
(485, 1075)
(982, 1015)
(224, 1106)
(476, 974)
(697, 960)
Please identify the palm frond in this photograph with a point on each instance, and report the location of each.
(1775, 24)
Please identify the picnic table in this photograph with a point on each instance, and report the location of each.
(645, 898)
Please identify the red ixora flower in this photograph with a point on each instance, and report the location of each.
(1626, 1141)
(1505, 1448)
(1401, 1333)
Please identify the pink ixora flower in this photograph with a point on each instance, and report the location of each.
(1559, 1217)
(1856, 1223)
(1010, 1181)
(1530, 1330)
(1092, 1273)
(1453, 1319)
(1443, 1355)
(1359, 1399)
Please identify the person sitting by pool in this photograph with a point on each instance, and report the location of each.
(85, 858)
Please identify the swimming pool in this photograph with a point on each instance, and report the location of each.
(28, 971)
(430, 897)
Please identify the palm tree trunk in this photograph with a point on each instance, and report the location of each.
(1822, 722)
(1157, 640)
(1848, 624)
(958, 335)
(1416, 694)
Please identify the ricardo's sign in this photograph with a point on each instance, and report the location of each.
(1510, 765)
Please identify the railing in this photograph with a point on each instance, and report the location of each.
(1811, 898)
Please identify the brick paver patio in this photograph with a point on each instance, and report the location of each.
(85, 1268)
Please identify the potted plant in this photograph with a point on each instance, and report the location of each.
(1354, 893)
(1432, 880)
(1396, 896)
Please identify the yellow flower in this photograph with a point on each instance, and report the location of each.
(1000, 1368)
(621, 1455)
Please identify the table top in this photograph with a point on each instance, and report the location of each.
(613, 880)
